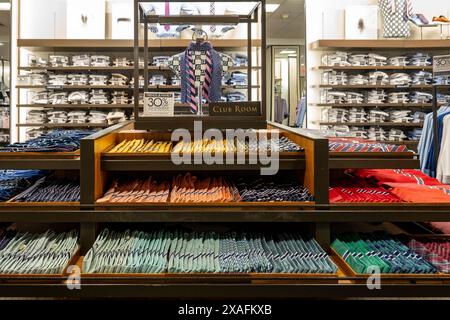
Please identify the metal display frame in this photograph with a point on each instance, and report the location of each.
(257, 15)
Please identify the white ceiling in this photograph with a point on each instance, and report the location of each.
(290, 28)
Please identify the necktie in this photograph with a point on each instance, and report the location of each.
(167, 13)
(212, 11)
(191, 83)
(208, 71)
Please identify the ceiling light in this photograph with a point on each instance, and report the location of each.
(272, 7)
(288, 51)
(292, 56)
(5, 6)
(285, 16)
(1, 44)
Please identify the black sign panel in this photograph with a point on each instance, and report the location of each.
(242, 108)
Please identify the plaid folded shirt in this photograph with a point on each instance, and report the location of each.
(434, 258)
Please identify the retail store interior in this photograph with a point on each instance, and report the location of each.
(337, 167)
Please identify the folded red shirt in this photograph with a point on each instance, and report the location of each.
(381, 176)
(416, 193)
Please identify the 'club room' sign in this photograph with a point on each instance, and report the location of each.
(235, 109)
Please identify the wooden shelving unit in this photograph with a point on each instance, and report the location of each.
(373, 68)
(379, 124)
(376, 105)
(352, 87)
(381, 44)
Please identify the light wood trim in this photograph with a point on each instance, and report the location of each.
(381, 44)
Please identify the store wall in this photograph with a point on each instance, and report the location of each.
(317, 28)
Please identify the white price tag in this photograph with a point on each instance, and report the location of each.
(441, 65)
(159, 104)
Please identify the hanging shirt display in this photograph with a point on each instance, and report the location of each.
(200, 65)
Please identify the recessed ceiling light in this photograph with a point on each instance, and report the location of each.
(2, 44)
(5, 6)
(287, 51)
(285, 16)
(272, 7)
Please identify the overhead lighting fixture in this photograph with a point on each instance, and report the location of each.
(272, 7)
(288, 51)
(292, 56)
(5, 6)
(1, 44)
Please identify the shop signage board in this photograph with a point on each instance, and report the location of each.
(441, 65)
(159, 104)
(237, 109)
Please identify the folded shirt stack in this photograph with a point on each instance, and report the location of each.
(57, 79)
(400, 79)
(36, 116)
(58, 61)
(118, 79)
(77, 116)
(78, 97)
(97, 117)
(272, 189)
(40, 97)
(175, 81)
(409, 185)
(51, 189)
(376, 134)
(357, 115)
(335, 115)
(122, 62)
(420, 97)
(400, 116)
(376, 60)
(78, 79)
(398, 97)
(396, 135)
(58, 98)
(13, 182)
(100, 61)
(375, 96)
(116, 116)
(177, 251)
(55, 141)
(336, 59)
(415, 134)
(98, 80)
(420, 60)
(358, 132)
(363, 252)
(354, 97)
(358, 191)
(236, 96)
(418, 117)
(237, 78)
(34, 253)
(376, 115)
(442, 80)
(57, 116)
(422, 78)
(436, 251)
(38, 79)
(358, 59)
(157, 80)
(34, 61)
(142, 146)
(378, 78)
(141, 81)
(443, 98)
(119, 97)
(99, 96)
(82, 60)
(161, 61)
(358, 80)
(335, 78)
(399, 61)
(335, 97)
(240, 60)
(362, 145)
(141, 98)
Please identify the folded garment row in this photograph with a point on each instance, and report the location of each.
(37, 186)
(54, 116)
(172, 251)
(87, 60)
(36, 253)
(379, 97)
(282, 144)
(95, 96)
(361, 115)
(386, 254)
(372, 133)
(52, 141)
(381, 78)
(387, 186)
(346, 59)
(114, 79)
(209, 189)
(362, 145)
